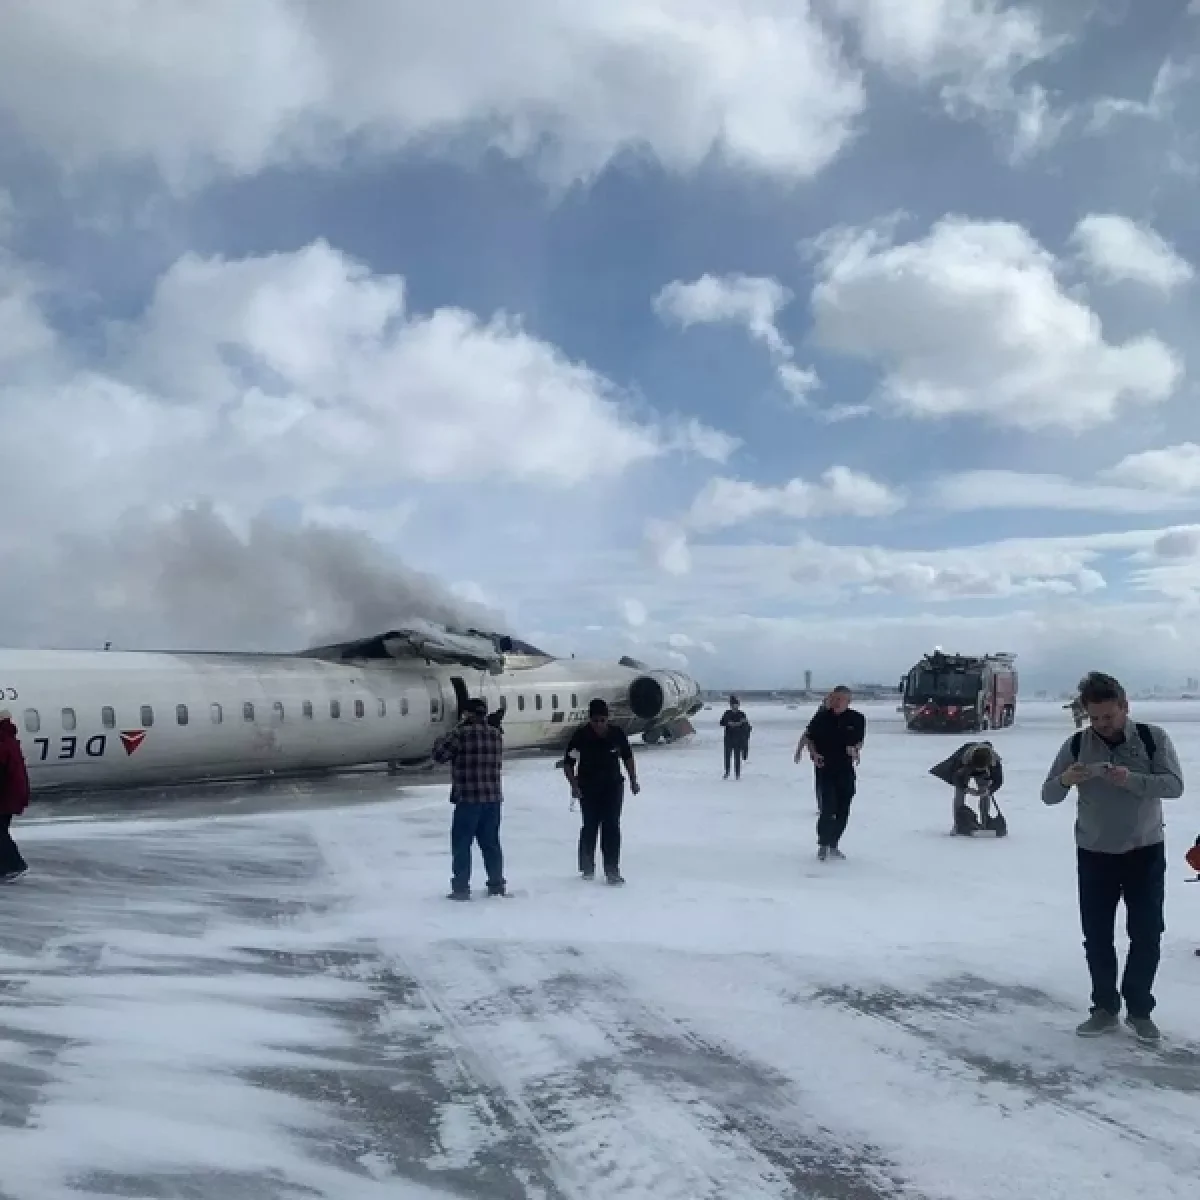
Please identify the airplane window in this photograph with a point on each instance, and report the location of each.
(215, 712)
(33, 721)
(306, 708)
(537, 701)
(383, 708)
(554, 703)
(68, 718)
(360, 709)
(433, 706)
(520, 703)
(277, 709)
(108, 717)
(248, 711)
(335, 708)
(574, 700)
(404, 707)
(147, 716)
(504, 704)
(181, 714)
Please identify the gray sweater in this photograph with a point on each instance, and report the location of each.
(1112, 818)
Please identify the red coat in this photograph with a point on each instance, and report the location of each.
(14, 779)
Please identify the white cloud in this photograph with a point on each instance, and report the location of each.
(1114, 248)
(726, 502)
(977, 491)
(971, 49)
(634, 612)
(668, 545)
(972, 320)
(571, 86)
(798, 382)
(747, 300)
(1173, 468)
(298, 375)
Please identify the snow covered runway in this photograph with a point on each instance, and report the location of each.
(283, 1005)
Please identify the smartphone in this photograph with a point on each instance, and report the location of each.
(1098, 770)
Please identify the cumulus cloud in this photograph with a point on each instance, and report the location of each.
(972, 320)
(748, 300)
(634, 612)
(1114, 249)
(1171, 469)
(668, 545)
(972, 51)
(569, 87)
(754, 302)
(726, 502)
(299, 375)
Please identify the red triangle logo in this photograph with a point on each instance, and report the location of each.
(133, 739)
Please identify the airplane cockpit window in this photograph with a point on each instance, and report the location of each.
(68, 719)
(277, 711)
(335, 708)
(108, 717)
(248, 711)
(360, 709)
(215, 712)
(537, 701)
(147, 716)
(306, 709)
(382, 707)
(33, 720)
(181, 714)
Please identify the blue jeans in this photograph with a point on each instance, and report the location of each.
(476, 823)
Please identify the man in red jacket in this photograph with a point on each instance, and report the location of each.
(14, 797)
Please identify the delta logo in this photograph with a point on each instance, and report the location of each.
(132, 739)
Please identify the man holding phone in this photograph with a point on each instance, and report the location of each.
(1122, 771)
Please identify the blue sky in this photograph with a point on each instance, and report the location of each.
(754, 337)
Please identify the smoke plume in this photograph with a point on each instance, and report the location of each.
(192, 582)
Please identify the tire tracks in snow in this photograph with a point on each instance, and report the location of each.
(621, 1098)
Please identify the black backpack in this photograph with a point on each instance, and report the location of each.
(1143, 731)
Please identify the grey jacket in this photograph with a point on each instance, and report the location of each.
(1112, 818)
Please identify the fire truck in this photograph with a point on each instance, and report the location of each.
(957, 692)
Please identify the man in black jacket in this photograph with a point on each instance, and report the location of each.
(737, 734)
(593, 769)
(834, 739)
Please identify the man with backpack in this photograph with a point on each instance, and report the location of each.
(1122, 770)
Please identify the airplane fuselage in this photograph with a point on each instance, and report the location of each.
(94, 719)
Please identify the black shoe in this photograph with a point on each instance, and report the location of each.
(613, 878)
(458, 895)
(498, 890)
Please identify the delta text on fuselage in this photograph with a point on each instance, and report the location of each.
(103, 718)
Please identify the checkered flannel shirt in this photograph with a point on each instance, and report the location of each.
(475, 751)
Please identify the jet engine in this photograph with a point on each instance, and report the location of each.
(662, 700)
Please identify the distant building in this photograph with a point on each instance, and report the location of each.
(808, 681)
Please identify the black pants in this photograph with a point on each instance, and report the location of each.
(10, 856)
(734, 752)
(835, 790)
(601, 809)
(1139, 878)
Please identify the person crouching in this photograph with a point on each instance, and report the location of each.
(974, 769)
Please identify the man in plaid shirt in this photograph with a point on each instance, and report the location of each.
(475, 751)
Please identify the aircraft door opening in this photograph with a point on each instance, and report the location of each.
(461, 694)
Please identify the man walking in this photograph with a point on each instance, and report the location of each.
(737, 733)
(14, 797)
(593, 769)
(475, 750)
(1123, 770)
(834, 738)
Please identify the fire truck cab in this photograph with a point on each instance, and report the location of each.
(960, 693)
